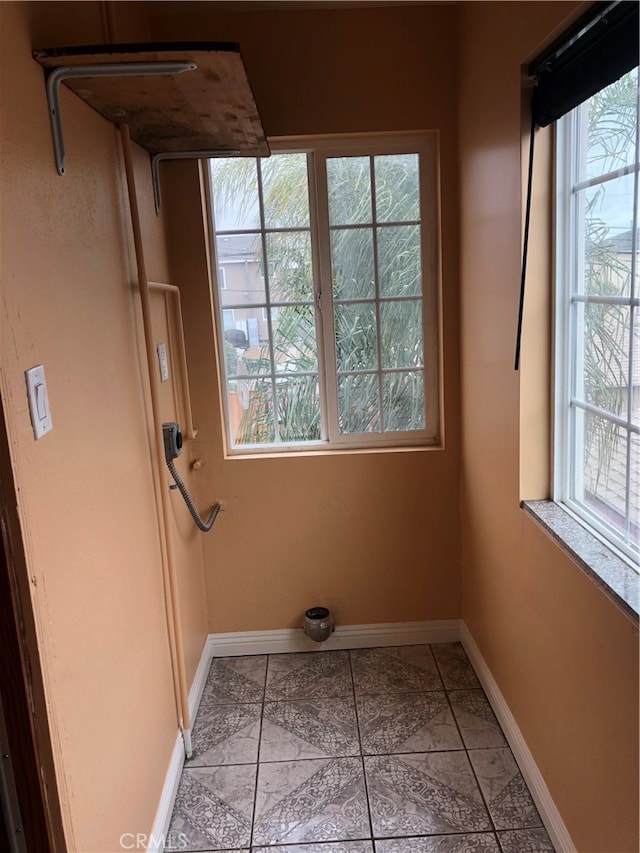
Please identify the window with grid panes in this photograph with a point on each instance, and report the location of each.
(598, 330)
(330, 260)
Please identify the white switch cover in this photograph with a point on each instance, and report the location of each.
(164, 365)
(38, 401)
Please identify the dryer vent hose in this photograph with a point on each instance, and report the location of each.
(205, 526)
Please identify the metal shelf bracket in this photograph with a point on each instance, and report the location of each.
(181, 155)
(121, 69)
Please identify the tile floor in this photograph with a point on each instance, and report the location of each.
(390, 750)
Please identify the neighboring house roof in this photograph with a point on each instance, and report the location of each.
(623, 242)
(232, 248)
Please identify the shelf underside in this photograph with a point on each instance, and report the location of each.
(211, 108)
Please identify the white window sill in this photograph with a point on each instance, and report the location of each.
(615, 576)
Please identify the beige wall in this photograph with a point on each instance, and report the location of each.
(564, 656)
(85, 491)
(376, 536)
(359, 533)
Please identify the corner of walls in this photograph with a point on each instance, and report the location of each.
(85, 490)
(564, 657)
(312, 80)
(186, 245)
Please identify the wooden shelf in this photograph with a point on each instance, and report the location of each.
(210, 108)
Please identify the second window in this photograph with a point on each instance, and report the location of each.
(327, 299)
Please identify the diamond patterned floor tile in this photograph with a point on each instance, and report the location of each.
(424, 793)
(309, 728)
(226, 734)
(504, 789)
(287, 748)
(214, 807)
(478, 725)
(402, 669)
(526, 841)
(406, 722)
(308, 675)
(456, 671)
(326, 847)
(232, 680)
(316, 800)
(481, 842)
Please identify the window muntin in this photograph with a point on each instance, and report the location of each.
(335, 263)
(376, 277)
(598, 387)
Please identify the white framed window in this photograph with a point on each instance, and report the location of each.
(222, 278)
(339, 240)
(597, 435)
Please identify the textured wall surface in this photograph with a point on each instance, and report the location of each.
(379, 537)
(565, 657)
(85, 490)
(374, 536)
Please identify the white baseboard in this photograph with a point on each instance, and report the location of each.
(364, 636)
(344, 637)
(288, 640)
(548, 810)
(172, 779)
(169, 791)
(199, 680)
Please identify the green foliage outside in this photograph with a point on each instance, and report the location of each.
(611, 141)
(354, 254)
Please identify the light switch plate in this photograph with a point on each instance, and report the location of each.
(164, 364)
(38, 401)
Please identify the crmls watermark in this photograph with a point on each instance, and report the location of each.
(144, 840)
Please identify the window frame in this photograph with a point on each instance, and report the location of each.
(318, 150)
(568, 271)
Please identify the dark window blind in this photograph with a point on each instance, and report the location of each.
(599, 48)
(604, 47)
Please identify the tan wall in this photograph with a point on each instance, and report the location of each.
(564, 656)
(374, 536)
(85, 490)
(187, 541)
